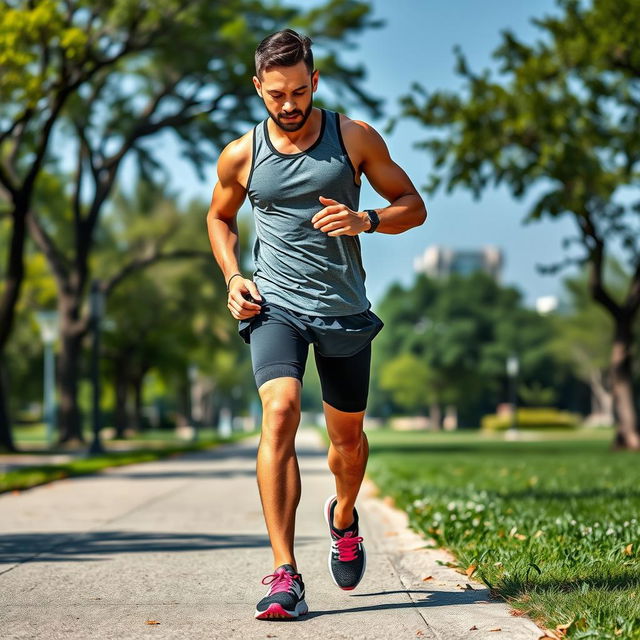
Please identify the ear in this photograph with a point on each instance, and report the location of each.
(258, 85)
(314, 80)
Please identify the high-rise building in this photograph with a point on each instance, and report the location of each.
(441, 262)
(546, 304)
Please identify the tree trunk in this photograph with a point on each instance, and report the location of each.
(121, 414)
(6, 438)
(435, 416)
(601, 400)
(183, 410)
(68, 374)
(627, 435)
(137, 386)
(11, 286)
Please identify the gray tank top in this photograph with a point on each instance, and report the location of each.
(297, 266)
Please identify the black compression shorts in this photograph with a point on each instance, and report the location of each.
(280, 338)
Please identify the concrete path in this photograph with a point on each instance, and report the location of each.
(182, 542)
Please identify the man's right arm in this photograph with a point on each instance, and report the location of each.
(228, 196)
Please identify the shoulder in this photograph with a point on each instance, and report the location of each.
(361, 139)
(235, 157)
(359, 132)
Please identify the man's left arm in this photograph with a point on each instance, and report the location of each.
(406, 208)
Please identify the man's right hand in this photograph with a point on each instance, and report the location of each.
(240, 307)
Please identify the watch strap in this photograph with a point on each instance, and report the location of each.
(374, 219)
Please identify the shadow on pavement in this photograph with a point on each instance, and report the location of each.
(431, 599)
(73, 547)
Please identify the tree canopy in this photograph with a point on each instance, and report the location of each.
(558, 120)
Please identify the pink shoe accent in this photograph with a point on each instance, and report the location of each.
(275, 610)
(281, 580)
(347, 546)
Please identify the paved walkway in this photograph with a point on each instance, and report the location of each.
(182, 542)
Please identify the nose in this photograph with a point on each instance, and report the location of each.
(289, 106)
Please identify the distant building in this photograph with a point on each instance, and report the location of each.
(546, 304)
(441, 262)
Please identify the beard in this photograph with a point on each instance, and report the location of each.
(295, 124)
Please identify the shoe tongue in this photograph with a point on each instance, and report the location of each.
(348, 534)
(286, 567)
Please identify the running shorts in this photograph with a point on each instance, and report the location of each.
(279, 339)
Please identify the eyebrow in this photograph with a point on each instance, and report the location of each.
(304, 86)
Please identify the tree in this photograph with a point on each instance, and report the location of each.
(462, 329)
(407, 379)
(562, 122)
(584, 333)
(169, 317)
(106, 77)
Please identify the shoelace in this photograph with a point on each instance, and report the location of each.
(347, 547)
(281, 581)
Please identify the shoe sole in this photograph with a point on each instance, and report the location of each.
(276, 611)
(327, 509)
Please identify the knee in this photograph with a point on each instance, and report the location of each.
(281, 415)
(350, 442)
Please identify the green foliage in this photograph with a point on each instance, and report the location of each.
(537, 395)
(109, 72)
(533, 418)
(408, 380)
(171, 315)
(584, 330)
(565, 504)
(25, 75)
(451, 339)
(559, 121)
(561, 115)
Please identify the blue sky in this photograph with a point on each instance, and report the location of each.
(416, 44)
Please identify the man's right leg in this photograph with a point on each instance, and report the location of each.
(277, 466)
(279, 353)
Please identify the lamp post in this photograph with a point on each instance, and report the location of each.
(96, 304)
(194, 411)
(513, 366)
(49, 331)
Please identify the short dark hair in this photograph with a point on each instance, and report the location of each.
(283, 49)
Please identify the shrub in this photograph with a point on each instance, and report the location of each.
(533, 418)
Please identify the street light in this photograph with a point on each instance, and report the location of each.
(96, 307)
(513, 366)
(49, 332)
(194, 409)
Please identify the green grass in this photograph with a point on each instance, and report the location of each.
(548, 523)
(34, 436)
(32, 476)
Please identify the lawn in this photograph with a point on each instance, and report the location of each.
(145, 447)
(34, 437)
(552, 525)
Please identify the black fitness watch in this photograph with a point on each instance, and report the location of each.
(374, 219)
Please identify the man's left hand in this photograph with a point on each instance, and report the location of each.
(338, 220)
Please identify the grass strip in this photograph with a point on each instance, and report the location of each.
(552, 525)
(32, 476)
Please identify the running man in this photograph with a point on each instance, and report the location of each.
(301, 168)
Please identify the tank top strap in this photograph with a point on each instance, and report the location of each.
(332, 130)
(260, 146)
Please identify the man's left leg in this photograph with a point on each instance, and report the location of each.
(348, 453)
(345, 385)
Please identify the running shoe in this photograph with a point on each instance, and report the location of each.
(285, 598)
(347, 557)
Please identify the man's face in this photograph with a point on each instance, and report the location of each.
(287, 93)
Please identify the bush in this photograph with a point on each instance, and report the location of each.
(533, 418)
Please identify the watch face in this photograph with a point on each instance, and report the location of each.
(374, 219)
